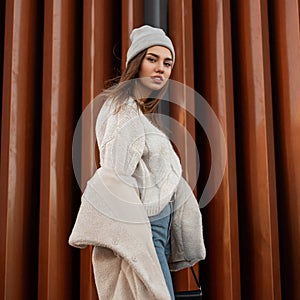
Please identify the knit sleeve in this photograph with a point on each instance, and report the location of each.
(123, 141)
(129, 142)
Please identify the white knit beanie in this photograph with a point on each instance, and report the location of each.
(146, 36)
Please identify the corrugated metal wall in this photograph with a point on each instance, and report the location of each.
(242, 56)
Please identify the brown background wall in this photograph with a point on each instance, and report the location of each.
(243, 57)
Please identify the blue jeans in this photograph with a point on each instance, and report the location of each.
(160, 226)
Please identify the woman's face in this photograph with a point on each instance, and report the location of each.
(156, 68)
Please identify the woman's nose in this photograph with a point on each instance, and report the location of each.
(160, 68)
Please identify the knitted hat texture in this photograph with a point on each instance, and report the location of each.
(145, 37)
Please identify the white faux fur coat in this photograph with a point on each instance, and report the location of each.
(112, 218)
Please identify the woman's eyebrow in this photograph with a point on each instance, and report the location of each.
(157, 56)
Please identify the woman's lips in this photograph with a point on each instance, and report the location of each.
(157, 79)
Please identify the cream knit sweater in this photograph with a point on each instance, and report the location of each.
(139, 152)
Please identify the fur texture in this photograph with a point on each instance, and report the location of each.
(124, 259)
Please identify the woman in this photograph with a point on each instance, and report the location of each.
(137, 209)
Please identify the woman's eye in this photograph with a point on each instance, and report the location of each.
(151, 59)
(168, 64)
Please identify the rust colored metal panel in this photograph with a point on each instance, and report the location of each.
(132, 16)
(299, 12)
(58, 271)
(101, 57)
(213, 79)
(2, 23)
(285, 52)
(181, 33)
(260, 266)
(19, 175)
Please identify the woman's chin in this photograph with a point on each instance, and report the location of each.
(156, 86)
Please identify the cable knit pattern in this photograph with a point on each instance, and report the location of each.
(139, 152)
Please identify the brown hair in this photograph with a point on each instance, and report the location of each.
(123, 87)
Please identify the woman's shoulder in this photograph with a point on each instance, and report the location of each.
(120, 106)
(119, 111)
(129, 104)
(129, 113)
(113, 106)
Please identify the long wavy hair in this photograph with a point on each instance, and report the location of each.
(123, 87)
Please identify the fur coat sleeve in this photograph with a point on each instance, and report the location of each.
(113, 220)
(187, 244)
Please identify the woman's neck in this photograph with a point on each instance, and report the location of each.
(141, 93)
